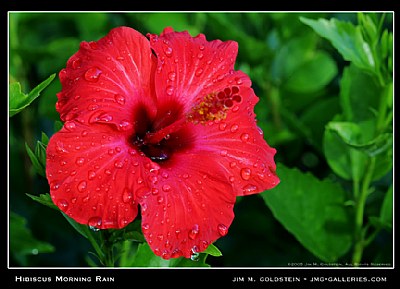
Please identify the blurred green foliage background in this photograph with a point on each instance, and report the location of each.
(295, 72)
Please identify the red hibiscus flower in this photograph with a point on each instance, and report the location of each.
(165, 123)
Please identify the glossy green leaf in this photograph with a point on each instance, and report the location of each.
(359, 94)
(44, 199)
(347, 162)
(38, 158)
(313, 211)
(313, 75)
(39, 167)
(368, 27)
(213, 251)
(347, 38)
(18, 100)
(359, 135)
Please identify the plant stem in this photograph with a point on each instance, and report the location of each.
(359, 214)
(95, 245)
(107, 246)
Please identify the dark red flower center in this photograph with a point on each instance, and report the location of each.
(167, 133)
(162, 136)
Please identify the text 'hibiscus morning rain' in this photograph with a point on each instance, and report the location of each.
(165, 123)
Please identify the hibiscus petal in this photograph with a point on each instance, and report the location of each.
(189, 207)
(93, 175)
(189, 67)
(104, 80)
(237, 145)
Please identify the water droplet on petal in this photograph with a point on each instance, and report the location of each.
(245, 173)
(198, 72)
(193, 233)
(82, 186)
(260, 131)
(119, 164)
(222, 126)
(166, 188)
(94, 223)
(250, 189)
(70, 125)
(122, 223)
(222, 229)
(54, 186)
(238, 80)
(169, 90)
(168, 51)
(93, 74)
(127, 196)
(91, 175)
(195, 254)
(224, 153)
(160, 199)
(172, 75)
(245, 137)
(176, 253)
(62, 204)
(234, 128)
(79, 161)
(119, 99)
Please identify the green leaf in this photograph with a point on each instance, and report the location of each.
(132, 232)
(313, 75)
(22, 242)
(357, 136)
(18, 100)
(38, 158)
(313, 211)
(213, 251)
(316, 121)
(156, 22)
(45, 139)
(145, 257)
(44, 199)
(368, 27)
(359, 94)
(386, 215)
(57, 126)
(347, 162)
(39, 168)
(80, 228)
(291, 56)
(347, 38)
